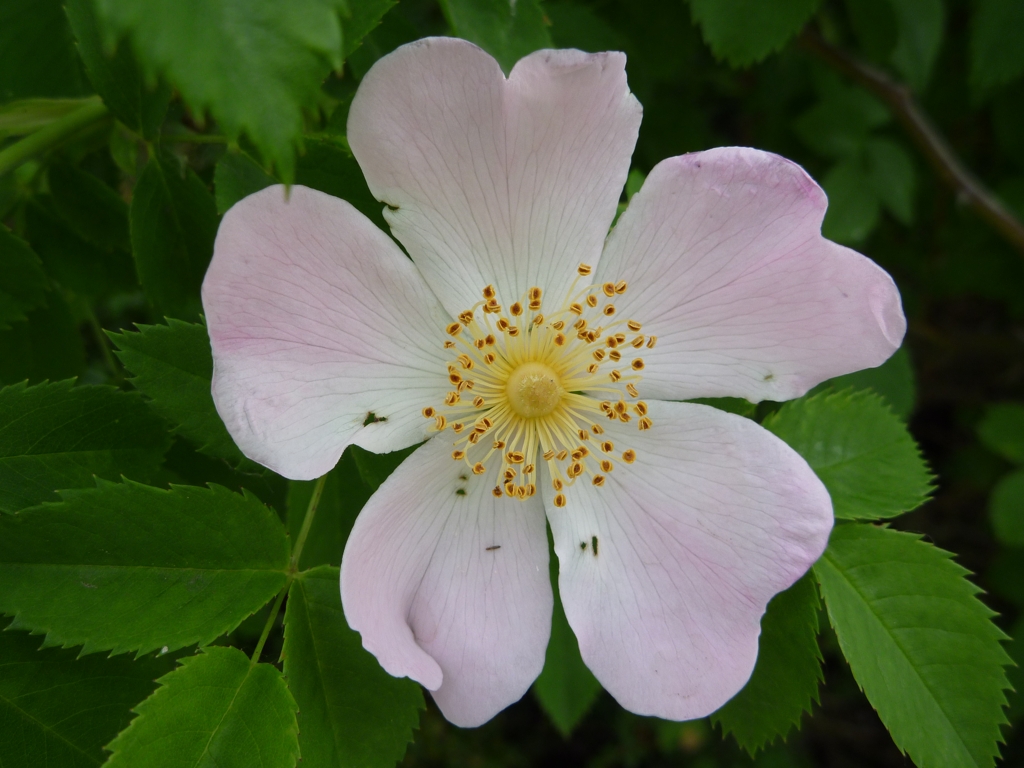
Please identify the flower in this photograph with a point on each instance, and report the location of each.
(542, 362)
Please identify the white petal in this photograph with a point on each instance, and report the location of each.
(726, 265)
(715, 516)
(317, 320)
(451, 590)
(493, 181)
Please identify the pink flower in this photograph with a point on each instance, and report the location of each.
(542, 360)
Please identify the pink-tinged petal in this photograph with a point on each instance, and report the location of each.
(317, 320)
(726, 265)
(714, 517)
(511, 182)
(449, 588)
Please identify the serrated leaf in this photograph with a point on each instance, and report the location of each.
(506, 30)
(351, 712)
(116, 76)
(94, 211)
(59, 710)
(46, 345)
(37, 51)
(891, 172)
(893, 381)
(1001, 430)
(861, 451)
(788, 672)
(854, 207)
(920, 644)
(997, 43)
(173, 365)
(920, 24)
(840, 124)
(324, 165)
(375, 468)
(566, 689)
(1015, 675)
(128, 567)
(1006, 509)
(343, 496)
(216, 709)
(254, 66)
(23, 284)
(173, 225)
(58, 436)
(743, 32)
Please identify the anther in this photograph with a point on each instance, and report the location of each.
(457, 427)
(556, 484)
(560, 339)
(465, 361)
(629, 456)
(620, 287)
(466, 317)
(473, 437)
(559, 500)
(591, 300)
(489, 292)
(580, 325)
(458, 455)
(638, 341)
(609, 310)
(521, 492)
(614, 375)
(585, 269)
(609, 289)
(454, 329)
(592, 368)
(615, 355)
(502, 324)
(558, 325)
(528, 469)
(539, 319)
(439, 422)
(548, 454)
(514, 457)
(607, 446)
(451, 398)
(643, 424)
(599, 354)
(489, 340)
(638, 364)
(576, 308)
(516, 309)
(633, 325)
(534, 305)
(597, 429)
(428, 412)
(479, 469)
(607, 466)
(498, 445)
(513, 330)
(510, 474)
(464, 385)
(535, 294)
(490, 358)
(575, 470)
(479, 343)
(632, 390)
(454, 378)
(562, 455)
(510, 489)
(651, 341)
(496, 491)
(478, 402)
(598, 480)
(449, 345)
(640, 408)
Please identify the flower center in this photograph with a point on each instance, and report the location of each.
(533, 390)
(529, 388)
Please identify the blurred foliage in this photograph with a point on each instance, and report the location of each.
(108, 227)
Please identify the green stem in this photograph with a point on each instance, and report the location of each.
(51, 136)
(270, 622)
(116, 372)
(307, 522)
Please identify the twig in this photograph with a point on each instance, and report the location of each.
(307, 522)
(936, 149)
(254, 659)
(51, 135)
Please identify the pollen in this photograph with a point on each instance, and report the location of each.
(539, 383)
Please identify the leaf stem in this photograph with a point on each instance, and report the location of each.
(270, 622)
(933, 145)
(307, 522)
(193, 138)
(51, 135)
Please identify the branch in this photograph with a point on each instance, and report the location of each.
(936, 149)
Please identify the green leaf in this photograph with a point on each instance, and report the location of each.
(236, 176)
(997, 43)
(359, 19)
(23, 284)
(743, 32)
(1001, 430)
(507, 30)
(1006, 509)
(116, 76)
(861, 451)
(1015, 712)
(173, 224)
(577, 26)
(566, 688)
(45, 346)
(375, 468)
(351, 712)
(56, 709)
(95, 212)
(88, 270)
(874, 24)
(893, 380)
(853, 204)
(840, 124)
(129, 567)
(58, 436)
(343, 497)
(891, 172)
(920, 24)
(254, 66)
(785, 681)
(736, 405)
(919, 642)
(216, 709)
(173, 365)
(25, 116)
(324, 165)
(37, 52)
